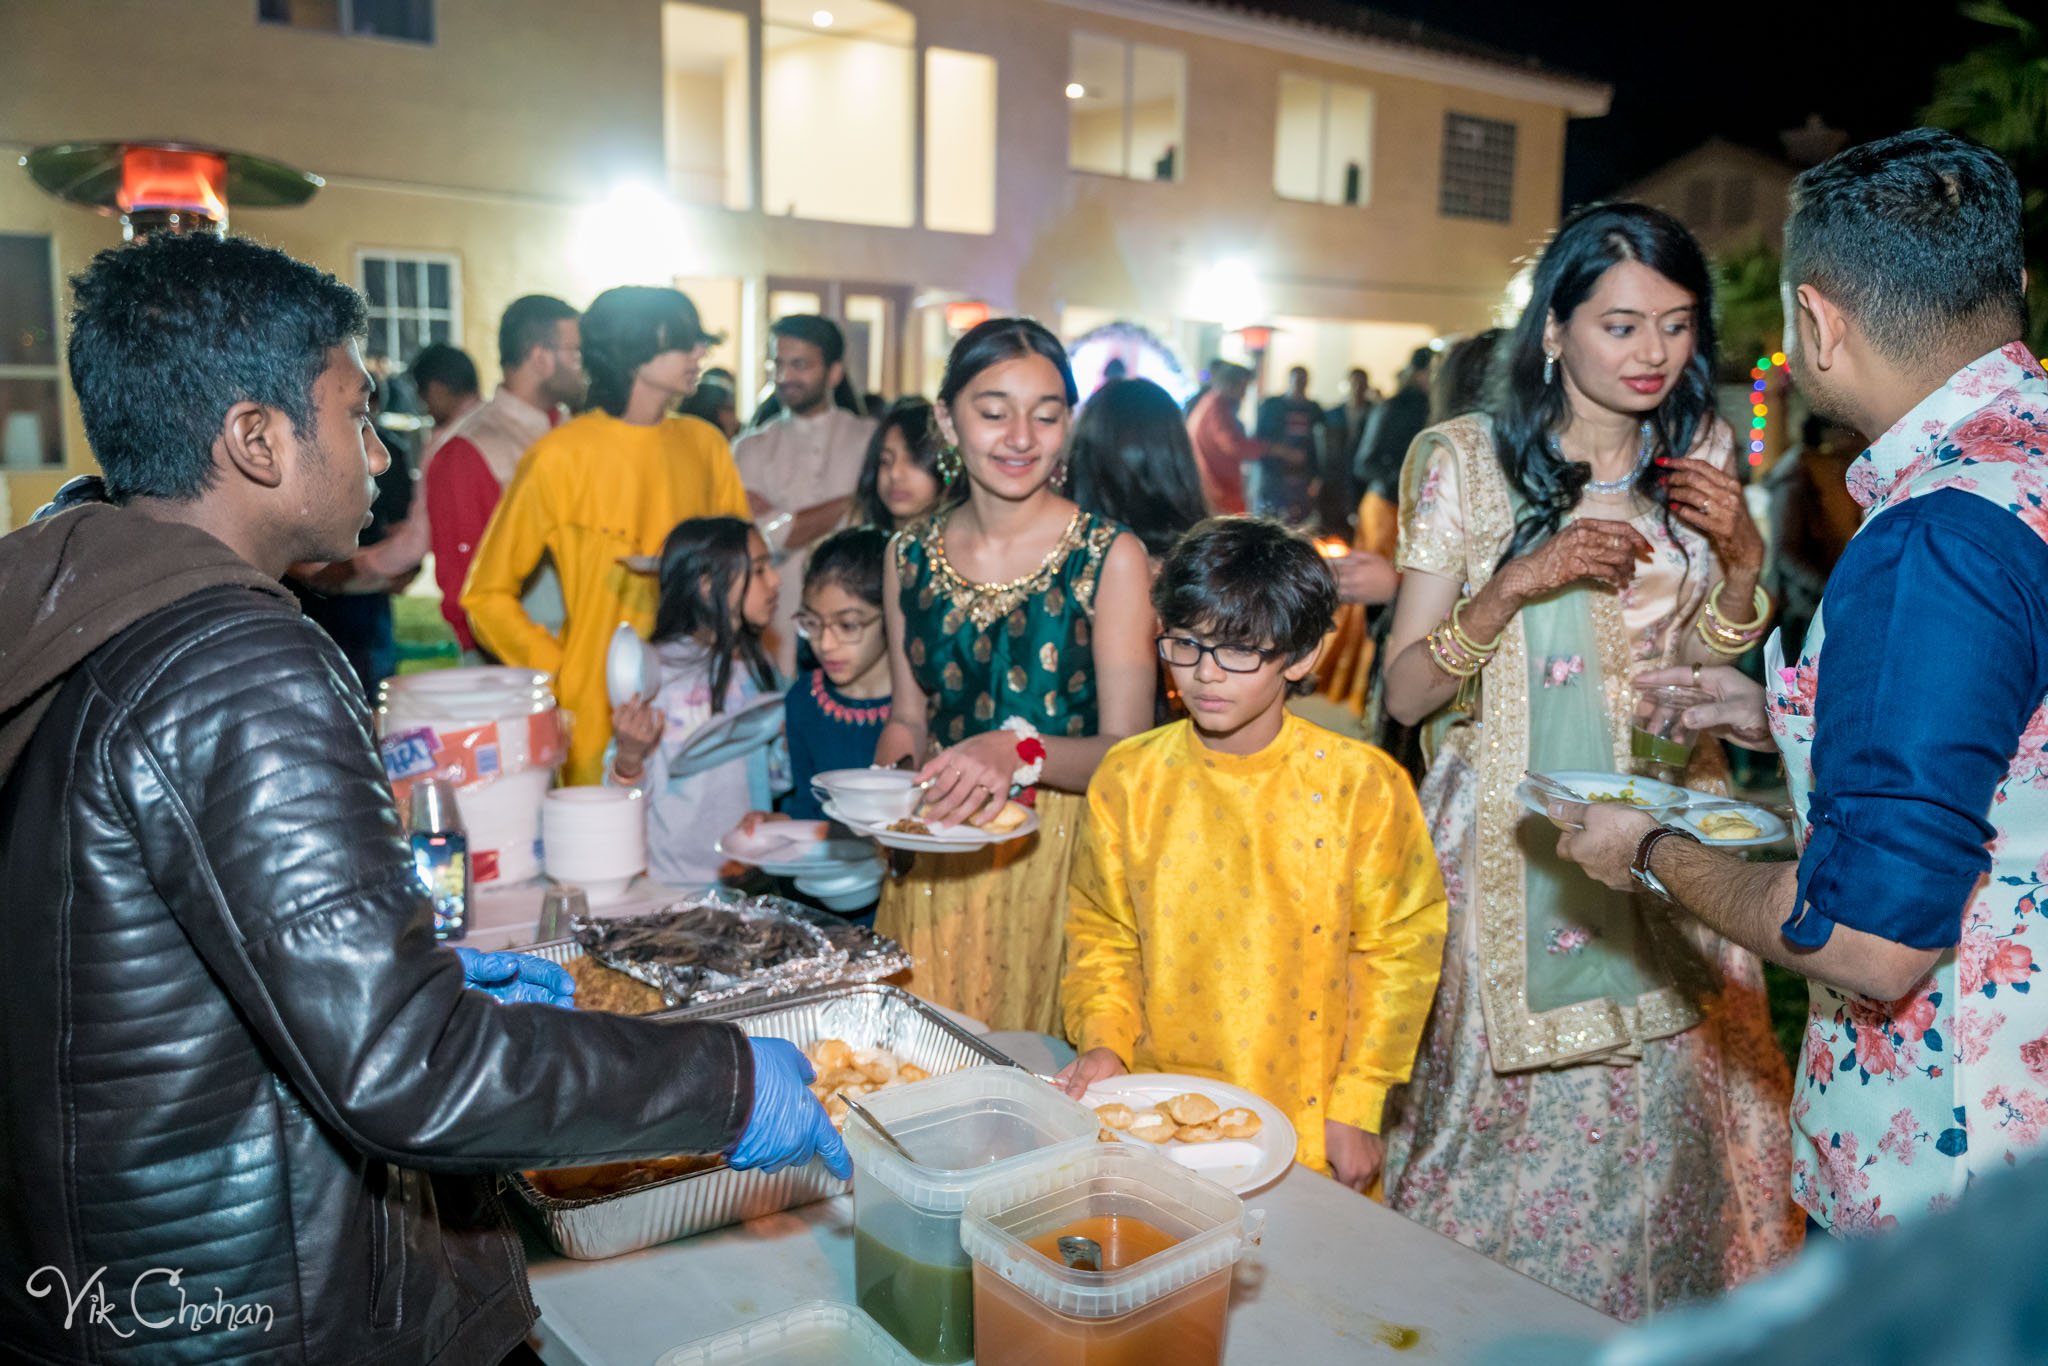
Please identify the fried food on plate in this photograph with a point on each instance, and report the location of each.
(1239, 1122)
(1192, 1108)
(1116, 1114)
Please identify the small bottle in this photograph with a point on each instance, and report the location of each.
(440, 856)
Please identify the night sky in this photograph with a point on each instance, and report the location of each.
(1685, 72)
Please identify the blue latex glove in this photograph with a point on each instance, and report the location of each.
(788, 1127)
(517, 977)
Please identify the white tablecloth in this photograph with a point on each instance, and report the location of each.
(1337, 1279)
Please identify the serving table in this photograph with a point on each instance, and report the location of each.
(1336, 1279)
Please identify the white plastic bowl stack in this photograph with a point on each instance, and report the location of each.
(595, 838)
(500, 814)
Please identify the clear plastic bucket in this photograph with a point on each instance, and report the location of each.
(1168, 1240)
(909, 1270)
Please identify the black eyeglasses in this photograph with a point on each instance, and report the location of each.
(1185, 653)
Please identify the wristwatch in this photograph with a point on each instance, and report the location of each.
(1640, 869)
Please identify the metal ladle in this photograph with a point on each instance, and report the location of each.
(1081, 1254)
(857, 1108)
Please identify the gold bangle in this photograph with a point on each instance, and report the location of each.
(1472, 646)
(1444, 652)
(1761, 603)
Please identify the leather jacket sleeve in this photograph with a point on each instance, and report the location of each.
(252, 782)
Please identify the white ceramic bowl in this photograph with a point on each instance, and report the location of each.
(877, 795)
(843, 899)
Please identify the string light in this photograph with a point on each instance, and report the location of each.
(1759, 403)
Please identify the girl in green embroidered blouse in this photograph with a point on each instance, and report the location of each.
(1005, 408)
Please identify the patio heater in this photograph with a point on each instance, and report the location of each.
(158, 186)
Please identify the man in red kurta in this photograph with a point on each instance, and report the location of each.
(1222, 448)
(541, 350)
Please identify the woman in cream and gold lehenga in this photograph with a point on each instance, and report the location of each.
(1598, 1101)
(1020, 639)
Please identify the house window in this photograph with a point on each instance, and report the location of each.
(31, 412)
(409, 20)
(1738, 202)
(1699, 204)
(415, 298)
(1126, 108)
(959, 141)
(1479, 168)
(1322, 144)
(838, 81)
(707, 116)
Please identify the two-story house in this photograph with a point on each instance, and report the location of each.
(1192, 167)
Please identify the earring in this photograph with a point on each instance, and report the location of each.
(949, 465)
(1059, 476)
(1549, 368)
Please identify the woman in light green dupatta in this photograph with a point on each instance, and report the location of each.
(1598, 1101)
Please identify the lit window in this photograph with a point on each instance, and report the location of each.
(705, 96)
(1322, 146)
(959, 141)
(31, 417)
(414, 297)
(1126, 108)
(1479, 169)
(410, 20)
(837, 86)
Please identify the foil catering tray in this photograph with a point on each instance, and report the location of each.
(868, 1015)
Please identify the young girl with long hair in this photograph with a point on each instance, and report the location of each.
(899, 480)
(1598, 1101)
(1020, 650)
(718, 593)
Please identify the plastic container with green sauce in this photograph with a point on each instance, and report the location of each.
(909, 1271)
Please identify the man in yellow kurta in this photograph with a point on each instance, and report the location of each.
(1255, 898)
(604, 486)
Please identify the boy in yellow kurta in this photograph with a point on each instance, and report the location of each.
(613, 482)
(1254, 898)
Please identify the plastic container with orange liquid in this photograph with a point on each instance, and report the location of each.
(1169, 1239)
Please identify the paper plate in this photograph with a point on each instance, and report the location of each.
(1239, 1164)
(943, 839)
(1645, 794)
(1770, 827)
(729, 735)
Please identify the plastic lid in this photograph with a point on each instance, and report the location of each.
(965, 1128)
(1054, 1191)
(815, 1333)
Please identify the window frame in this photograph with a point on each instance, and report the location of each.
(1327, 88)
(1130, 48)
(53, 373)
(1444, 179)
(344, 25)
(392, 312)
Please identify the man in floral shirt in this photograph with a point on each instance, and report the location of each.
(1918, 752)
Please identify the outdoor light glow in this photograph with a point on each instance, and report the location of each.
(635, 237)
(1075, 90)
(1777, 357)
(822, 19)
(1760, 386)
(1229, 293)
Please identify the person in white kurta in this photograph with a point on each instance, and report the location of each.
(805, 462)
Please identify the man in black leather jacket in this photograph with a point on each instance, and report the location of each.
(250, 1112)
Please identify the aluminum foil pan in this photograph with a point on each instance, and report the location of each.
(810, 949)
(866, 1016)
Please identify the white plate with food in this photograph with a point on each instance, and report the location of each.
(1730, 825)
(1621, 788)
(1236, 1139)
(924, 837)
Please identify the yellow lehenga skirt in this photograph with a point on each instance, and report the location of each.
(987, 928)
(1345, 674)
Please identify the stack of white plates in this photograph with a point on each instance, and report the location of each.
(843, 874)
(596, 838)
